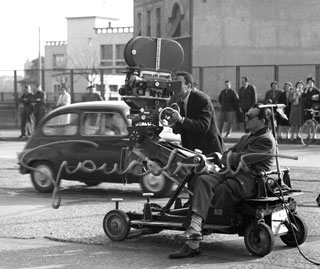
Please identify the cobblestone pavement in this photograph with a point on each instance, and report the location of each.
(29, 224)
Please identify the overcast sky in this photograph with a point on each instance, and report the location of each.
(20, 21)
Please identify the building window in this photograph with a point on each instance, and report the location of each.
(58, 60)
(106, 55)
(113, 88)
(139, 32)
(175, 21)
(148, 23)
(120, 54)
(158, 19)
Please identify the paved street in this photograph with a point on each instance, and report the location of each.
(34, 235)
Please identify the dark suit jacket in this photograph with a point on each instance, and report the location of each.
(234, 188)
(199, 129)
(284, 100)
(247, 97)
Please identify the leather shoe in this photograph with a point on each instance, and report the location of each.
(189, 234)
(185, 252)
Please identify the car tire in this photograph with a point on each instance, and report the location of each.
(159, 185)
(40, 182)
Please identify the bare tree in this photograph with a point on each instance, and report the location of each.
(85, 62)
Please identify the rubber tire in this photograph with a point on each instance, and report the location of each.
(160, 186)
(301, 236)
(116, 225)
(308, 129)
(266, 243)
(39, 181)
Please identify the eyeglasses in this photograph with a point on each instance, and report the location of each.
(250, 117)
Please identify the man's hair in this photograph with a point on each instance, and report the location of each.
(273, 82)
(299, 82)
(246, 79)
(288, 83)
(264, 113)
(187, 77)
(310, 78)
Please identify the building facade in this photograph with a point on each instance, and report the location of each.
(166, 19)
(265, 40)
(92, 55)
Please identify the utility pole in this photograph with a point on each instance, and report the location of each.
(39, 57)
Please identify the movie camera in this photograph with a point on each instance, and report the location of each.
(147, 90)
(148, 84)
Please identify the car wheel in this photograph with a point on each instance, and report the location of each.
(159, 185)
(41, 182)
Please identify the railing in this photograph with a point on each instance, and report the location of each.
(114, 30)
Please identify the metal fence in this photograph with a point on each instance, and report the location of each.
(210, 79)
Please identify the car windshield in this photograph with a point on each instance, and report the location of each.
(103, 124)
(63, 124)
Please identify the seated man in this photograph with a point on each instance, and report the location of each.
(222, 190)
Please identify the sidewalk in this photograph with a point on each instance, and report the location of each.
(13, 135)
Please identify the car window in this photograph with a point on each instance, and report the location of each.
(63, 124)
(103, 124)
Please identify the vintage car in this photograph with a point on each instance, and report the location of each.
(65, 137)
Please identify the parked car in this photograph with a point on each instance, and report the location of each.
(67, 133)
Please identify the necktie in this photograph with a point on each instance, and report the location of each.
(182, 111)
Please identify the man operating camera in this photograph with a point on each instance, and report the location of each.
(196, 122)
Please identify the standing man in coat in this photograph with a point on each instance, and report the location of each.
(26, 112)
(39, 105)
(222, 190)
(91, 95)
(247, 96)
(229, 102)
(196, 122)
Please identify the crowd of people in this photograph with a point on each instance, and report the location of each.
(33, 109)
(34, 105)
(297, 99)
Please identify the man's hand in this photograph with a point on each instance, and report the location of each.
(154, 167)
(315, 97)
(177, 117)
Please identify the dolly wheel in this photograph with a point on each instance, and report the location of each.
(259, 239)
(116, 225)
(300, 229)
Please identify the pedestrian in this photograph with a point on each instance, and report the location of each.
(222, 190)
(39, 105)
(296, 113)
(196, 122)
(229, 102)
(272, 97)
(308, 95)
(64, 97)
(26, 112)
(247, 97)
(284, 99)
(91, 95)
